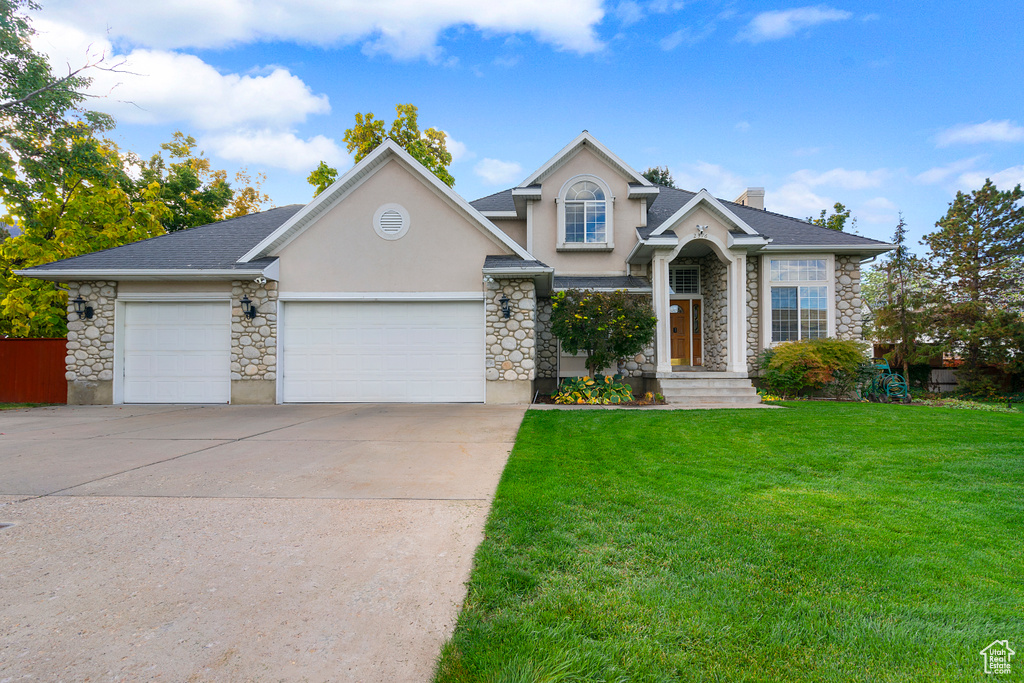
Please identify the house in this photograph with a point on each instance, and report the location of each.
(389, 286)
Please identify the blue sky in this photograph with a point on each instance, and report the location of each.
(883, 106)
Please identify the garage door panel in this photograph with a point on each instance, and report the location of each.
(177, 352)
(422, 351)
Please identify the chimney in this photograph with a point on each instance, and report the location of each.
(753, 197)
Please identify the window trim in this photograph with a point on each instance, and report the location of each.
(609, 212)
(765, 303)
(685, 295)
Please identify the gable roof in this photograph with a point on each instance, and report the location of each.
(585, 139)
(783, 231)
(343, 186)
(213, 249)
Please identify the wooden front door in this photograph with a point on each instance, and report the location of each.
(685, 320)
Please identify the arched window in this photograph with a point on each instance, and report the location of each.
(585, 214)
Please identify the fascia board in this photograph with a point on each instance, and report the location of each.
(830, 248)
(527, 192)
(312, 211)
(643, 192)
(584, 138)
(67, 274)
(500, 215)
(530, 270)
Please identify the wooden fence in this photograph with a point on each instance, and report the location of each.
(32, 371)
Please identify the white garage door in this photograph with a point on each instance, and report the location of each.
(176, 352)
(375, 352)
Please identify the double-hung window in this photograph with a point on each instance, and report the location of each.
(799, 299)
(585, 211)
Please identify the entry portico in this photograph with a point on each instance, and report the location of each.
(703, 229)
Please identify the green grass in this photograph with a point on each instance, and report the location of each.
(824, 542)
(15, 406)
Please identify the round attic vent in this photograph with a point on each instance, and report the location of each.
(391, 221)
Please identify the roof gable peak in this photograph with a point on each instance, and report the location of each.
(585, 139)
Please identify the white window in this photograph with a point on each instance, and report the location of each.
(684, 279)
(585, 215)
(799, 299)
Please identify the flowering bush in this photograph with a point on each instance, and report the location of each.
(608, 326)
(600, 390)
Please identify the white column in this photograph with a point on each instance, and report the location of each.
(660, 295)
(737, 327)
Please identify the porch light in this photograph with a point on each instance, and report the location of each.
(248, 308)
(506, 307)
(81, 309)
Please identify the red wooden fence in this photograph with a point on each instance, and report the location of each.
(32, 371)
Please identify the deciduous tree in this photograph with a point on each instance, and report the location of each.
(837, 221)
(429, 147)
(608, 326)
(659, 175)
(322, 177)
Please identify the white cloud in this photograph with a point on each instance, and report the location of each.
(989, 131)
(743, 126)
(628, 12)
(940, 174)
(797, 200)
(277, 148)
(778, 24)
(498, 172)
(687, 36)
(457, 149)
(842, 178)
(1004, 180)
(712, 177)
(164, 87)
(878, 210)
(404, 29)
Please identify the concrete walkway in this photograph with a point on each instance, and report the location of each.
(230, 543)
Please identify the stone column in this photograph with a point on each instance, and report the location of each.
(511, 359)
(254, 344)
(90, 360)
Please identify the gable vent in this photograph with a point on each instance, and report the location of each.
(391, 221)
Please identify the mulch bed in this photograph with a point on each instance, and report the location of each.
(546, 399)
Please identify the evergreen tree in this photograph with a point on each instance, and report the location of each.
(975, 276)
(898, 310)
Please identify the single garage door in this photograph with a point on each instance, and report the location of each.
(383, 351)
(177, 352)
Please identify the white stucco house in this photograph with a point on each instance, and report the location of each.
(389, 286)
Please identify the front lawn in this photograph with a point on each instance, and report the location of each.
(824, 542)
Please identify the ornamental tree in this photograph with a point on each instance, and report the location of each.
(837, 221)
(429, 147)
(608, 326)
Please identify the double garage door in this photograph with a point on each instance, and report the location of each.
(179, 352)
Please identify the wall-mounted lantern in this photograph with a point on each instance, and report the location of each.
(81, 308)
(248, 308)
(506, 306)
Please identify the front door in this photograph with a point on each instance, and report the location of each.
(685, 319)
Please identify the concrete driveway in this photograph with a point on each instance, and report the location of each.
(231, 543)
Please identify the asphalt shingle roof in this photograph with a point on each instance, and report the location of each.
(499, 201)
(213, 246)
(782, 230)
(510, 261)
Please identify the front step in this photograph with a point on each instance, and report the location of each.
(708, 388)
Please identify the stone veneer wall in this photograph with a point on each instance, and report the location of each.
(753, 312)
(89, 363)
(848, 302)
(714, 287)
(547, 345)
(254, 342)
(511, 344)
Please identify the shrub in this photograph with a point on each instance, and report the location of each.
(608, 326)
(839, 366)
(599, 390)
